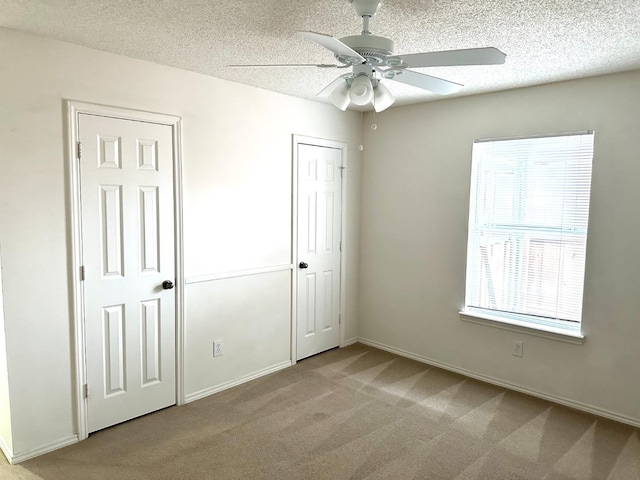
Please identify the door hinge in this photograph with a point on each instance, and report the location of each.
(339, 319)
(82, 273)
(79, 150)
(85, 390)
(341, 245)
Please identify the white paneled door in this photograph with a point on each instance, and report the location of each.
(319, 236)
(127, 201)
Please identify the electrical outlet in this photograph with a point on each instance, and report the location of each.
(517, 348)
(217, 348)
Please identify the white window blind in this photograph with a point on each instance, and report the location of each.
(528, 216)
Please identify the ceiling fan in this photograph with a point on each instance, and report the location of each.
(371, 59)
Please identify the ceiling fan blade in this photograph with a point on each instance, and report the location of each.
(319, 65)
(333, 44)
(449, 58)
(326, 91)
(420, 80)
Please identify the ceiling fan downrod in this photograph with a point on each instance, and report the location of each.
(365, 25)
(365, 9)
(372, 48)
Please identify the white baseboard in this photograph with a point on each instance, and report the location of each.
(192, 397)
(6, 450)
(21, 457)
(351, 341)
(511, 386)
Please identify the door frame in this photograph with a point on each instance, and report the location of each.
(342, 146)
(73, 110)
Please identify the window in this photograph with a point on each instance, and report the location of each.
(528, 216)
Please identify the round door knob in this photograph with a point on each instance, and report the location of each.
(304, 265)
(167, 284)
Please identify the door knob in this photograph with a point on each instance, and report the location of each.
(167, 284)
(304, 265)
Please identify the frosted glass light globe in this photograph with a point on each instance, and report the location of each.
(361, 91)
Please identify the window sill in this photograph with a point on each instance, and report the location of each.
(522, 327)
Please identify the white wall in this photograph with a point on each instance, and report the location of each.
(237, 157)
(415, 177)
(5, 411)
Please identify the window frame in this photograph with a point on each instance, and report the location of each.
(559, 329)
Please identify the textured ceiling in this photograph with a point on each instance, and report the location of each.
(545, 41)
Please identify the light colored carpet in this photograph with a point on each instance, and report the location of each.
(353, 413)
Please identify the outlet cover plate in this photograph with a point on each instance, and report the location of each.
(217, 348)
(517, 348)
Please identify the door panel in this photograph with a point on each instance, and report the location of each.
(126, 173)
(319, 235)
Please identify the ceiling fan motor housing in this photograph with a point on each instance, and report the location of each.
(373, 48)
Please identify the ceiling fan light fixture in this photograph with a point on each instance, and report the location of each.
(361, 91)
(382, 98)
(371, 57)
(340, 96)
